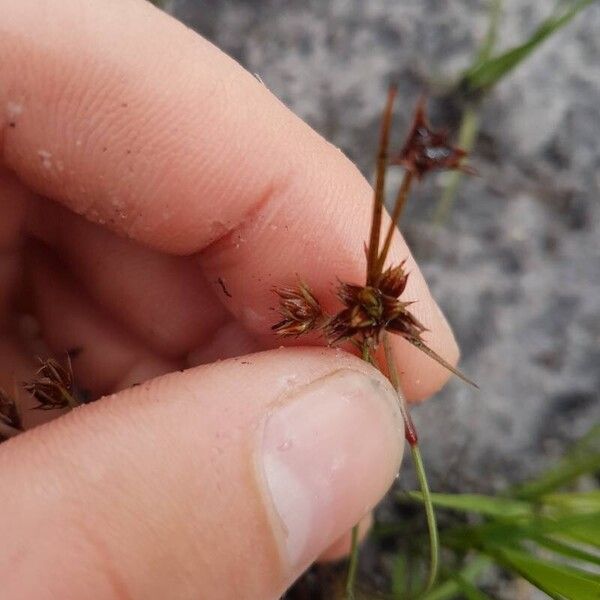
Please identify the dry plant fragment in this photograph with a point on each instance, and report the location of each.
(53, 385)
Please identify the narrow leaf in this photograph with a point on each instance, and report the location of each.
(555, 579)
(488, 72)
(451, 588)
(567, 550)
(583, 458)
(484, 505)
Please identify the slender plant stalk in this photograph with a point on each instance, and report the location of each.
(401, 199)
(382, 161)
(353, 558)
(434, 541)
(412, 439)
(469, 128)
(352, 565)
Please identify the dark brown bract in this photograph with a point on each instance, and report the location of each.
(427, 150)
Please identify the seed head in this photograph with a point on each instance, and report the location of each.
(370, 310)
(52, 385)
(300, 310)
(426, 150)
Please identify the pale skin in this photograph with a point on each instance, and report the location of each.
(139, 166)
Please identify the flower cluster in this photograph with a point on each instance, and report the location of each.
(53, 385)
(371, 309)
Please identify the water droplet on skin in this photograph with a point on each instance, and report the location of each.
(284, 446)
(13, 109)
(46, 157)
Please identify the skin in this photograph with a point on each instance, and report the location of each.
(133, 177)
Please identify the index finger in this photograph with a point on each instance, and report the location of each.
(122, 114)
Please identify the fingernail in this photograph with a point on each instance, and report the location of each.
(329, 453)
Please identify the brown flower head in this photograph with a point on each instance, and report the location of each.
(52, 385)
(370, 310)
(300, 310)
(426, 150)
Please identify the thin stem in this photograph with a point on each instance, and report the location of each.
(434, 541)
(398, 208)
(353, 558)
(410, 433)
(412, 439)
(378, 200)
(353, 565)
(469, 128)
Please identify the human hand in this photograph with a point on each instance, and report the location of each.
(151, 193)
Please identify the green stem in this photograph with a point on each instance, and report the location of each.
(411, 437)
(352, 565)
(469, 128)
(434, 541)
(353, 558)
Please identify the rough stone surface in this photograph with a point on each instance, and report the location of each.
(517, 266)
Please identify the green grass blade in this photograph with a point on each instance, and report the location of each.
(489, 42)
(469, 127)
(586, 533)
(451, 588)
(486, 73)
(582, 459)
(567, 550)
(580, 502)
(399, 576)
(468, 590)
(484, 505)
(430, 514)
(572, 526)
(558, 581)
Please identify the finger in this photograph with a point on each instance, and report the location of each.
(222, 482)
(342, 546)
(181, 149)
(103, 355)
(159, 298)
(13, 202)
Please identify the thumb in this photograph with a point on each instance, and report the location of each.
(225, 481)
